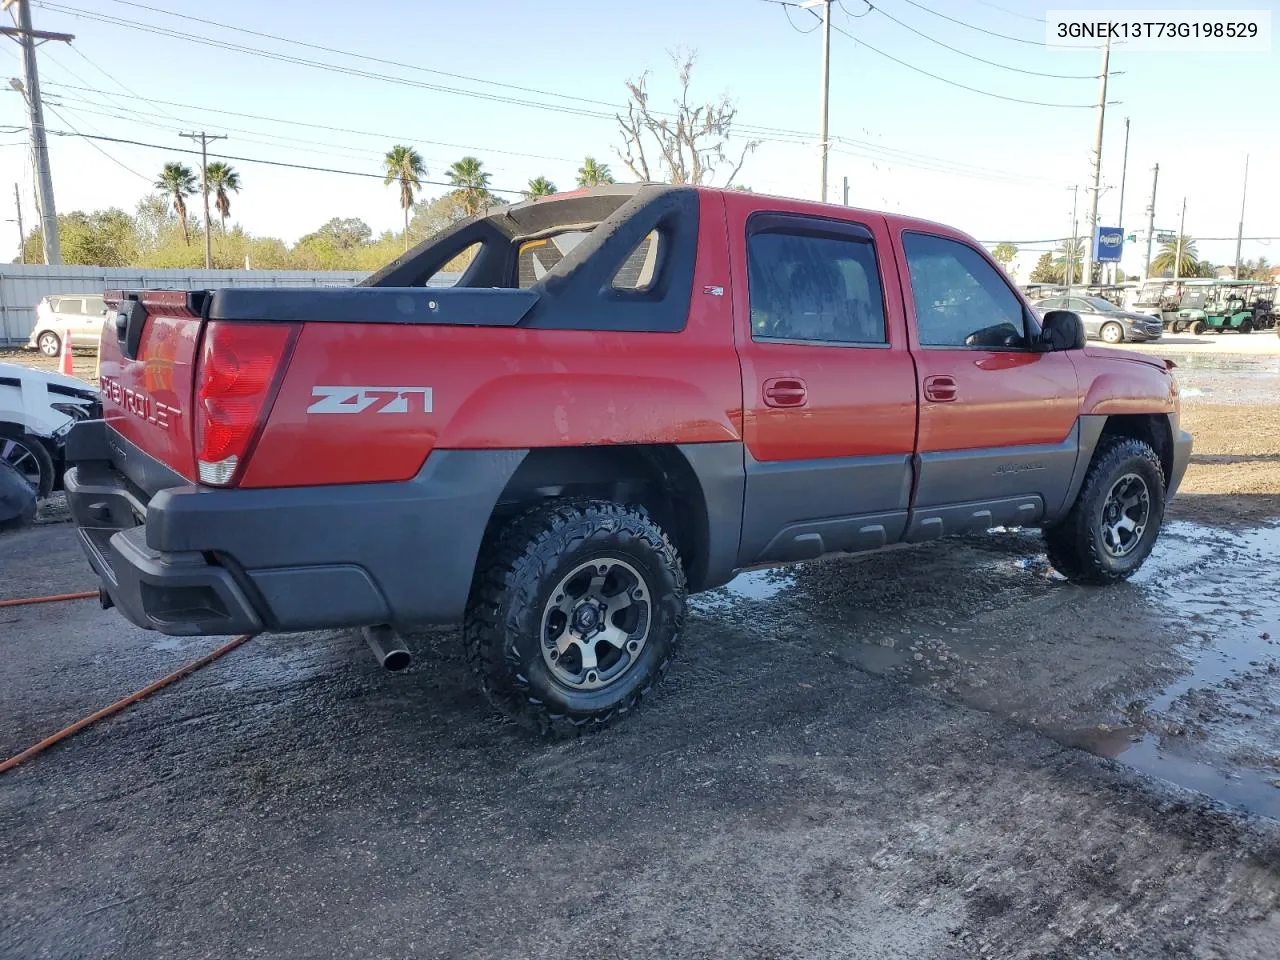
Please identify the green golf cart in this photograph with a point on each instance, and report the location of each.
(1216, 306)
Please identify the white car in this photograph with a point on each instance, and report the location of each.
(75, 315)
(37, 410)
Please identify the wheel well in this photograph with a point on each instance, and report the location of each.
(1152, 428)
(657, 477)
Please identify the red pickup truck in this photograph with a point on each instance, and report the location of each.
(631, 393)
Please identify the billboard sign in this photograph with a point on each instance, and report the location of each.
(1107, 244)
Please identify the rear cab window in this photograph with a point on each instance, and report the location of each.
(814, 281)
(961, 300)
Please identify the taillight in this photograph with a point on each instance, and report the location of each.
(240, 369)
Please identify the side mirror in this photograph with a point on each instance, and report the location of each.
(1061, 330)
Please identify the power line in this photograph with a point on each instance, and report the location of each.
(568, 109)
(1012, 13)
(993, 63)
(786, 7)
(320, 65)
(360, 56)
(322, 126)
(868, 149)
(269, 163)
(962, 86)
(119, 83)
(118, 163)
(854, 16)
(989, 33)
(934, 76)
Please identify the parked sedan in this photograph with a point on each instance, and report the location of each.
(1103, 320)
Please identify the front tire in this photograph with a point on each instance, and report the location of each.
(1199, 327)
(1114, 523)
(576, 611)
(29, 457)
(1112, 333)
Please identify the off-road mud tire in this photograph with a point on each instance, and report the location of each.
(1075, 546)
(520, 566)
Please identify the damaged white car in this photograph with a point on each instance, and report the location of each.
(37, 410)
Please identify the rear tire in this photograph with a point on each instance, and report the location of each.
(1246, 326)
(1111, 333)
(1177, 327)
(29, 456)
(50, 343)
(1114, 523)
(576, 611)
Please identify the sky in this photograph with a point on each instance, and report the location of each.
(532, 88)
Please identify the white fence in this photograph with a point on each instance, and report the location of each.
(24, 286)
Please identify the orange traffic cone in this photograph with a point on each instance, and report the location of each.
(65, 364)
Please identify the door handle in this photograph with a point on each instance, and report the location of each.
(785, 392)
(940, 389)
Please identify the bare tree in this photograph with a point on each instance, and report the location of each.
(685, 146)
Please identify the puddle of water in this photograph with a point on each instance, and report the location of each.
(1228, 379)
(1227, 706)
(751, 585)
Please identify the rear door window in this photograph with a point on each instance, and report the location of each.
(814, 286)
(961, 300)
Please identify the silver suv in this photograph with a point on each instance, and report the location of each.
(75, 315)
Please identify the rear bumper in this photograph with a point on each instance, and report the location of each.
(192, 560)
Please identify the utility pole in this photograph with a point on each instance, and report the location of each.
(204, 139)
(1071, 244)
(1095, 161)
(826, 87)
(1182, 227)
(1240, 230)
(26, 36)
(22, 236)
(1124, 173)
(846, 191)
(1151, 219)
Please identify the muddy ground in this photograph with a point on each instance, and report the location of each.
(902, 755)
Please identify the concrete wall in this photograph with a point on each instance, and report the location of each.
(23, 286)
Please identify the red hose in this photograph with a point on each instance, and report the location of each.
(119, 705)
(54, 599)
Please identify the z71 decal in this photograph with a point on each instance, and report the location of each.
(370, 400)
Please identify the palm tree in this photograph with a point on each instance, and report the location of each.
(404, 164)
(1189, 264)
(1070, 251)
(593, 174)
(177, 180)
(222, 179)
(469, 177)
(539, 187)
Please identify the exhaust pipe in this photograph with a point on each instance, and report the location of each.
(387, 647)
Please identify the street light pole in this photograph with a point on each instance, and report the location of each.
(1095, 160)
(1071, 244)
(1151, 219)
(826, 90)
(1240, 231)
(1124, 173)
(1182, 226)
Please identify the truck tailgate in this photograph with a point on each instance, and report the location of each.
(147, 376)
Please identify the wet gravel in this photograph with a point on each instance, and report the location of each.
(875, 757)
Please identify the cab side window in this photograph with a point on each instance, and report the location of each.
(811, 287)
(960, 299)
